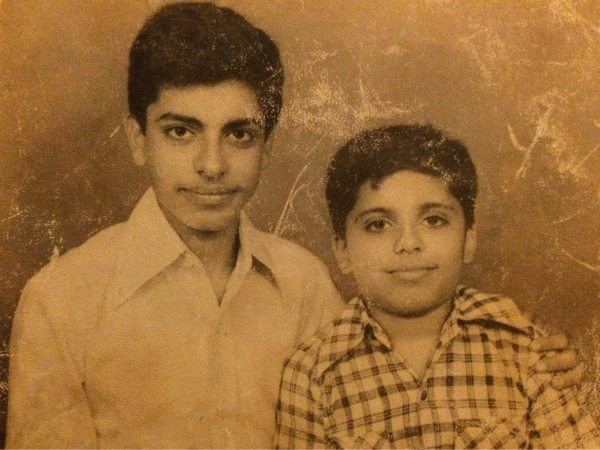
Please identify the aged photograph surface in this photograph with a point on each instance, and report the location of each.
(516, 82)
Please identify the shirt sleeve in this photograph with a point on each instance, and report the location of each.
(299, 418)
(47, 404)
(559, 420)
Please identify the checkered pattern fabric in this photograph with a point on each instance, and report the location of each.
(346, 388)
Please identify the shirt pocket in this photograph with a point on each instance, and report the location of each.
(491, 433)
(367, 440)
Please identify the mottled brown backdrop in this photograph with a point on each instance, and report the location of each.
(516, 80)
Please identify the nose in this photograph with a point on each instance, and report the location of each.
(209, 160)
(408, 240)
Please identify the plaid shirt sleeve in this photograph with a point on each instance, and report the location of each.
(299, 416)
(559, 420)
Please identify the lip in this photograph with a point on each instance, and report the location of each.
(209, 195)
(411, 273)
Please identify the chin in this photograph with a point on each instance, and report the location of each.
(411, 310)
(214, 224)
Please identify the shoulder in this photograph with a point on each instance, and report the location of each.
(80, 274)
(495, 310)
(306, 287)
(293, 265)
(281, 249)
(307, 355)
(84, 263)
(503, 324)
(332, 345)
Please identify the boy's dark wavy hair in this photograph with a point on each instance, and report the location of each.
(375, 154)
(186, 44)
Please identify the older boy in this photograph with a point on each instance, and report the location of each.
(170, 330)
(415, 361)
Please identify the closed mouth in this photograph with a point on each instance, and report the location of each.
(209, 195)
(209, 191)
(412, 273)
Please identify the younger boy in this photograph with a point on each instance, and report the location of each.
(416, 361)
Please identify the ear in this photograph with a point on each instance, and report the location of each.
(340, 251)
(470, 245)
(136, 139)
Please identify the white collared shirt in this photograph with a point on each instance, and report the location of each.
(122, 342)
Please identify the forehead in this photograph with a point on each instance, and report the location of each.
(227, 97)
(405, 189)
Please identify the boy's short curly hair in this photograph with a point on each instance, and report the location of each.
(375, 154)
(186, 44)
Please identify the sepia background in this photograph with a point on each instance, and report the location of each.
(517, 81)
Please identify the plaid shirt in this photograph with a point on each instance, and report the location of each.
(346, 388)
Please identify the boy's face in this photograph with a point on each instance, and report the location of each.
(406, 244)
(203, 149)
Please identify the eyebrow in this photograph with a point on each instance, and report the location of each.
(436, 205)
(188, 120)
(422, 209)
(229, 126)
(372, 211)
(243, 122)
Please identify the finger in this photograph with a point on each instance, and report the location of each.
(569, 378)
(565, 360)
(553, 342)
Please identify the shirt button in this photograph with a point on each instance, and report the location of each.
(221, 413)
(188, 262)
(423, 395)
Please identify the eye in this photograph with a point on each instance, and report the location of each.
(376, 226)
(242, 137)
(178, 132)
(435, 221)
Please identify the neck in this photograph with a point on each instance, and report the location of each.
(217, 250)
(414, 338)
(407, 328)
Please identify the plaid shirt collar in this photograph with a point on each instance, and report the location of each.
(355, 325)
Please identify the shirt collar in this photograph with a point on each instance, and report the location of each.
(474, 306)
(244, 261)
(255, 243)
(355, 325)
(150, 244)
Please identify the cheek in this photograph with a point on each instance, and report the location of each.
(164, 170)
(450, 252)
(370, 254)
(247, 167)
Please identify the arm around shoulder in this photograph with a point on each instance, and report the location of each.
(47, 403)
(560, 419)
